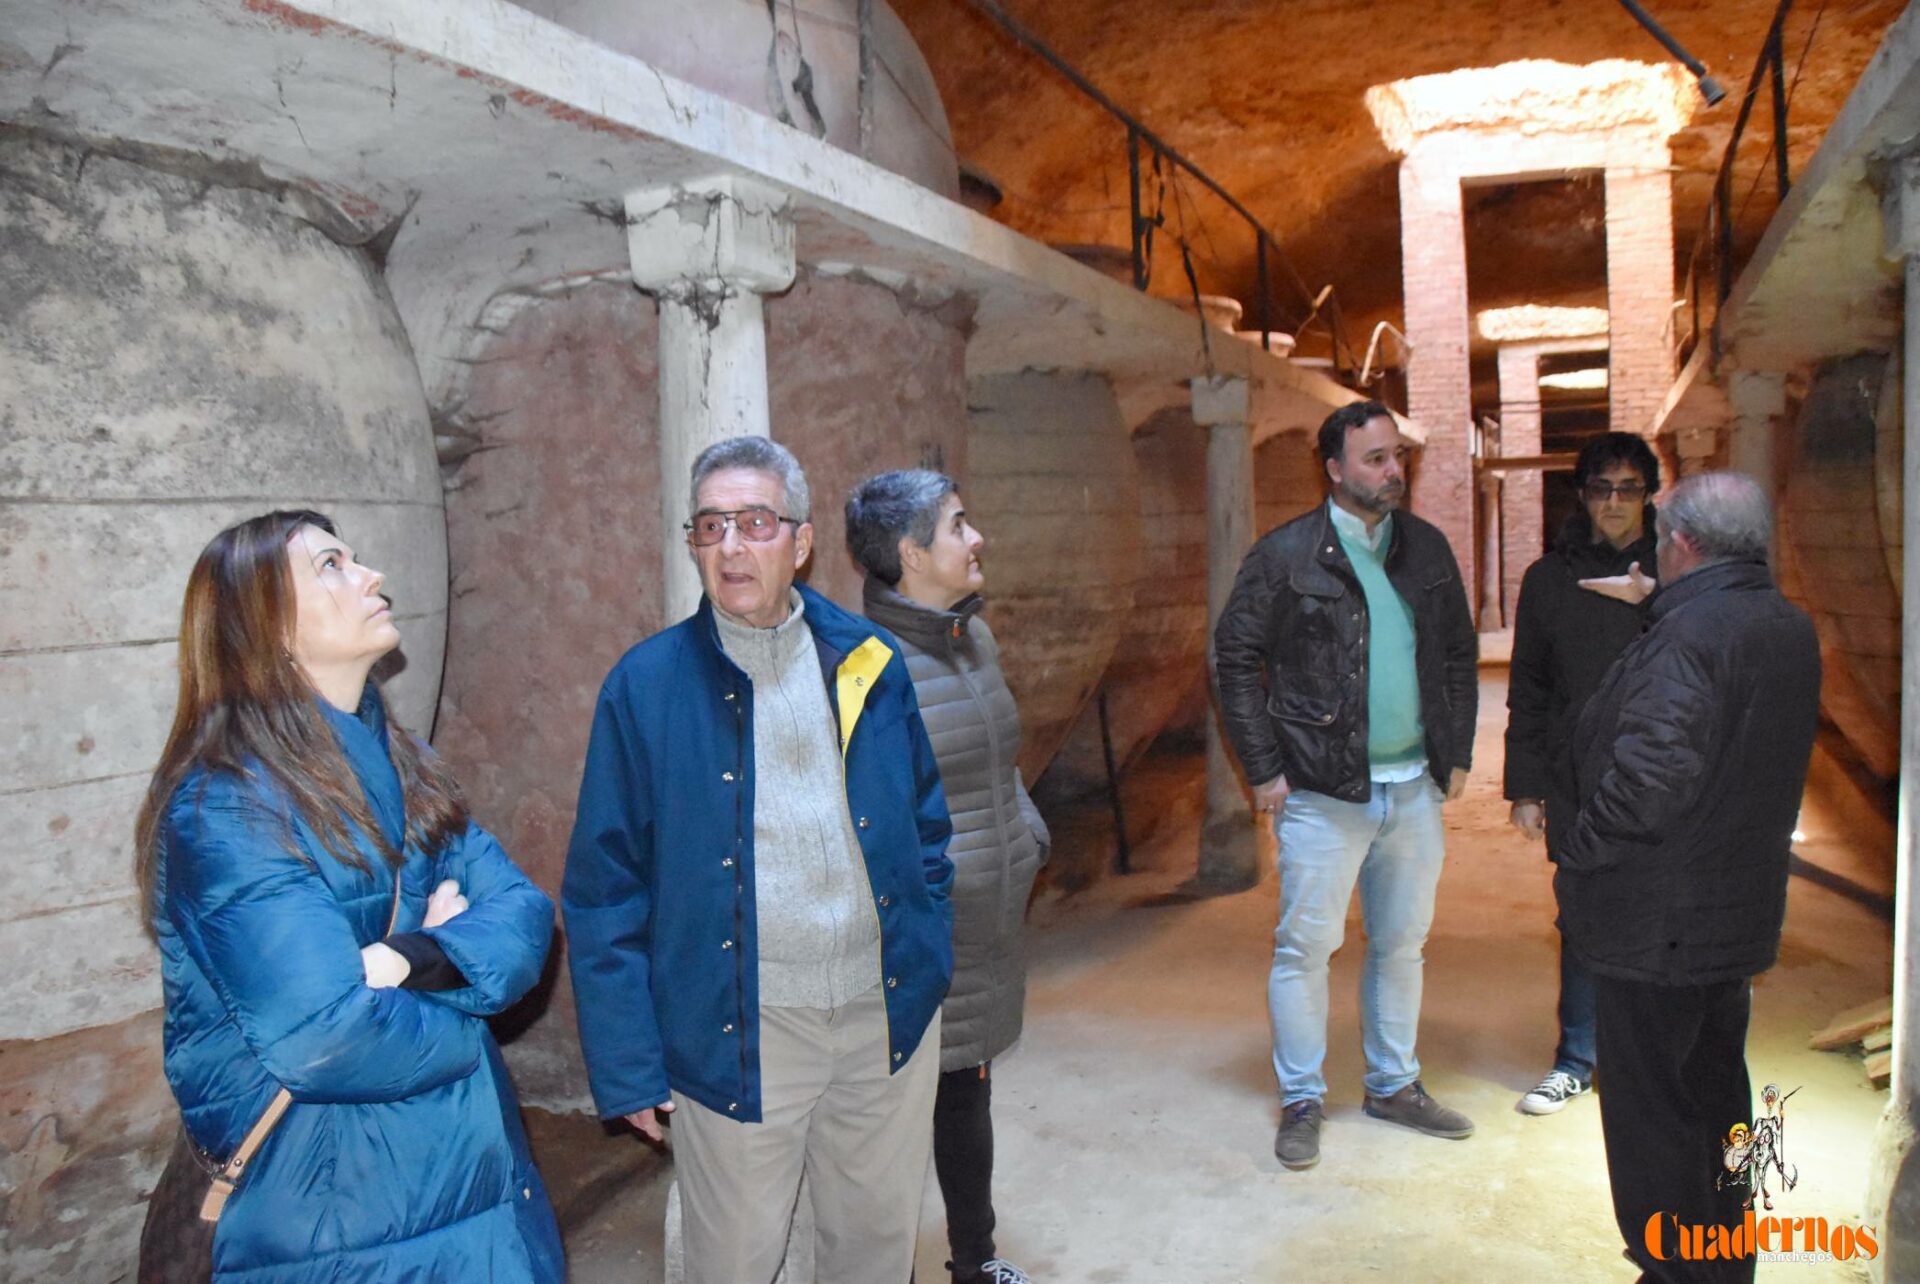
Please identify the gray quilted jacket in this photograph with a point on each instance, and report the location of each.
(999, 841)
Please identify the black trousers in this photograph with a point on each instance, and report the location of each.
(1673, 1080)
(963, 1161)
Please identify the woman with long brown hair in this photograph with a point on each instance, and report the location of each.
(333, 931)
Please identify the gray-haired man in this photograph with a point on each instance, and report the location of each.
(756, 899)
(1690, 759)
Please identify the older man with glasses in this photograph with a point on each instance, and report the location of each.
(756, 899)
(1568, 629)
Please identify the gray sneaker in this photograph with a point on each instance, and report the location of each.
(1412, 1107)
(1297, 1144)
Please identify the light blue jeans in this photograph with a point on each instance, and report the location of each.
(1392, 845)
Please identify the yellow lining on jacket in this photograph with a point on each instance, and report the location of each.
(853, 680)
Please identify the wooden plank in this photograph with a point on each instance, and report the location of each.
(1880, 1068)
(1853, 1024)
(1878, 1039)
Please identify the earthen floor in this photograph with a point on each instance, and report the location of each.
(1135, 1119)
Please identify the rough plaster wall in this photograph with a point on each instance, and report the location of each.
(1052, 475)
(173, 356)
(1163, 652)
(1841, 564)
(554, 526)
(723, 45)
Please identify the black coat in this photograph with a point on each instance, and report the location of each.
(1290, 656)
(1564, 640)
(1690, 760)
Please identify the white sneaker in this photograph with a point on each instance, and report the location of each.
(1554, 1092)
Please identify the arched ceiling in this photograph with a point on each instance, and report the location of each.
(1266, 96)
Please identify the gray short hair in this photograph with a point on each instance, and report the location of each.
(886, 509)
(1725, 515)
(764, 455)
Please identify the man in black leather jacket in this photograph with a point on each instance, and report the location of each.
(1345, 665)
(1690, 761)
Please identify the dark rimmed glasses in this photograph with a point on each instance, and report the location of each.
(1601, 491)
(756, 525)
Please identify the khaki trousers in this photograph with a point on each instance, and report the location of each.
(829, 1108)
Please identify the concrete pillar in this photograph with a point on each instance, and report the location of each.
(1639, 291)
(1522, 516)
(1433, 267)
(707, 251)
(1229, 847)
(1758, 399)
(1492, 613)
(1893, 1195)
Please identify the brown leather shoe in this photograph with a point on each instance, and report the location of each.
(1413, 1108)
(1297, 1144)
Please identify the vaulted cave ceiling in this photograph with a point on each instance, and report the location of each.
(1267, 97)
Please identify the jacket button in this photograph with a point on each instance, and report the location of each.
(884, 902)
(732, 1106)
(859, 682)
(727, 776)
(526, 1192)
(729, 696)
(726, 945)
(896, 1056)
(863, 822)
(727, 1028)
(726, 862)
(893, 983)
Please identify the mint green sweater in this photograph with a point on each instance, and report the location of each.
(1395, 736)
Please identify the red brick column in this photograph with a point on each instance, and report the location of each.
(1520, 498)
(1639, 291)
(1433, 255)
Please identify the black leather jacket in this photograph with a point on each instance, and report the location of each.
(1290, 656)
(1689, 762)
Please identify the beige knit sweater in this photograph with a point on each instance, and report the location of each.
(813, 905)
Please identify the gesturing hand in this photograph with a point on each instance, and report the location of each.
(445, 903)
(1633, 588)
(648, 1121)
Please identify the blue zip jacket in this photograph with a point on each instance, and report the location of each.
(658, 894)
(402, 1156)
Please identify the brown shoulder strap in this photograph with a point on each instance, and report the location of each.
(231, 1172)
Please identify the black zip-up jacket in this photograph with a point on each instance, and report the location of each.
(1690, 761)
(1290, 656)
(1564, 640)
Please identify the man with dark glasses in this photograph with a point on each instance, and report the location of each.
(1564, 638)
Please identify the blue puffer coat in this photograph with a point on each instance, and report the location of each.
(402, 1156)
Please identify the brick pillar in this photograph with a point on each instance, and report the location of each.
(1521, 518)
(1639, 291)
(1433, 259)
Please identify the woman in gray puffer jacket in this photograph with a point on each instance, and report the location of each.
(922, 559)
